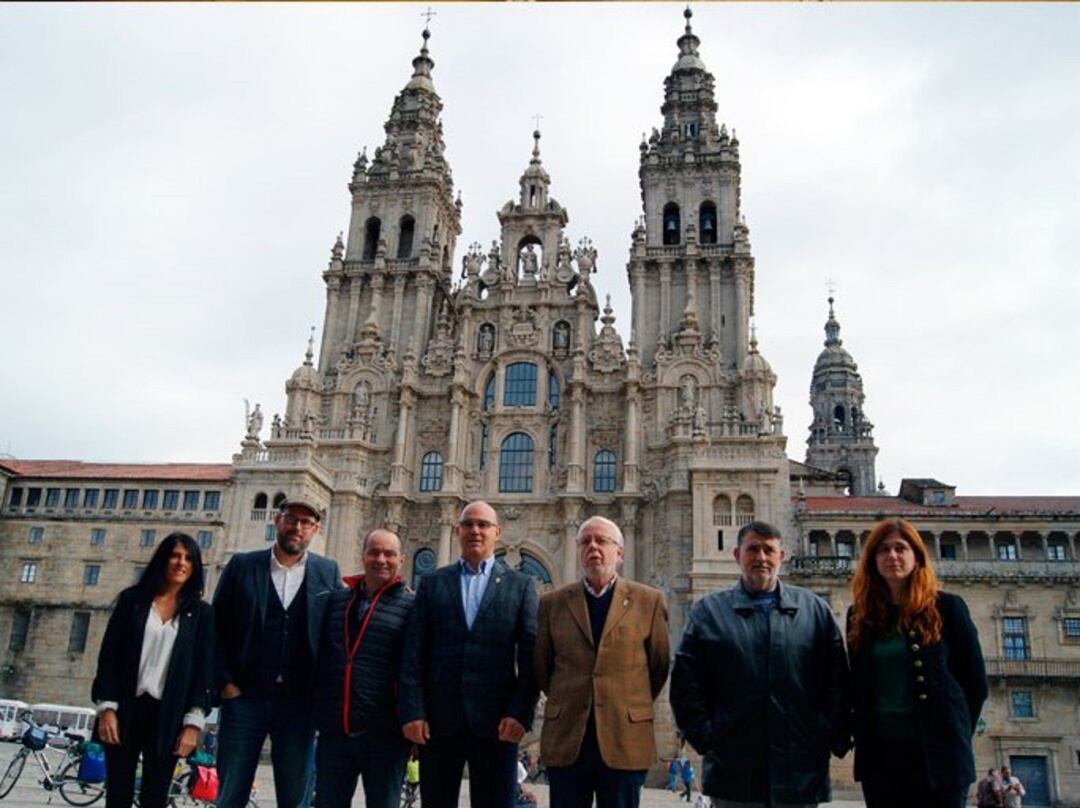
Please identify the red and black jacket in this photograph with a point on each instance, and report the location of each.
(359, 659)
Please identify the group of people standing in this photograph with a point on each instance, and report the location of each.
(762, 686)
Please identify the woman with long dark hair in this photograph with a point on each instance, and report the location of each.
(918, 676)
(155, 673)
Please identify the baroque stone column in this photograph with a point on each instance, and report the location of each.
(571, 523)
(665, 299)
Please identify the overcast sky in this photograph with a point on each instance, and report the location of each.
(172, 178)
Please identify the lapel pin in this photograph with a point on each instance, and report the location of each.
(626, 602)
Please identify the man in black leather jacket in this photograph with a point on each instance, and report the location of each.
(760, 684)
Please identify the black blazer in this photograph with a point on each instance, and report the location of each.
(948, 679)
(453, 675)
(189, 679)
(240, 606)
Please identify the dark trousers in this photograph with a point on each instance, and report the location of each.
(120, 761)
(896, 778)
(574, 786)
(245, 723)
(492, 771)
(378, 758)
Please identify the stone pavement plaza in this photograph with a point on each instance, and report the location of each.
(28, 791)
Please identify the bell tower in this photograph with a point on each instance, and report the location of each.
(388, 281)
(841, 436)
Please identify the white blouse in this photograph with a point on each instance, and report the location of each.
(159, 637)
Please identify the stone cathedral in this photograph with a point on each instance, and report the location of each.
(507, 379)
(498, 373)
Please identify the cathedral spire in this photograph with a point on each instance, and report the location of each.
(535, 182)
(841, 436)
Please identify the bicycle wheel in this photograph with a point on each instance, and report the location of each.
(76, 791)
(12, 772)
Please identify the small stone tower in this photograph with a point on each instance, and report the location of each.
(841, 437)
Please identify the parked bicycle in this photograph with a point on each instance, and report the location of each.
(182, 786)
(63, 776)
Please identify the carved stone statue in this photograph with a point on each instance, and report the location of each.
(254, 420)
(485, 340)
(361, 399)
(560, 339)
(529, 265)
(688, 393)
(700, 420)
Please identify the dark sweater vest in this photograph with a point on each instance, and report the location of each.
(284, 658)
(598, 609)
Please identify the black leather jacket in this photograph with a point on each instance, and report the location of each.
(763, 696)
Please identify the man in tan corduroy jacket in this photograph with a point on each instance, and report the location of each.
(602, 656)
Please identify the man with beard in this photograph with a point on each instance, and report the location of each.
(269, 607)
(760, 684)
(602, 656)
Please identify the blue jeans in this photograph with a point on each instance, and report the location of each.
(378, 758)
(245, 723)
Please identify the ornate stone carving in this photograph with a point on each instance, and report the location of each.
(607, 354)
(440, 353)
(523, 333)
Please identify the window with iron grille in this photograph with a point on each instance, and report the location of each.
(147, 538)
(91, 574)
(1014, 639)
(1021, 704)
(97, 536)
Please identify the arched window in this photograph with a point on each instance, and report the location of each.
(604, 471)
(405, 237)
(519, 386)
(721, 509)
(516, 463)
(672, 224)
(553, 390)
(371, 237)
(422, 563)
(744, 510)
(431, 472)
(532, 565)
(279, 497)
(260, 502)
(707, 223)
(489, 393)
(838, 417)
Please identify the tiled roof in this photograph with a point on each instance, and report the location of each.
(961, 505)
(76, 469)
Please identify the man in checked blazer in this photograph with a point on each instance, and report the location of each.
(602, 657)
(467, 690)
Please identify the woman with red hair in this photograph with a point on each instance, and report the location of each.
(919, 680)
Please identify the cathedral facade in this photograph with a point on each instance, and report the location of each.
(507, 380)
(444, 375)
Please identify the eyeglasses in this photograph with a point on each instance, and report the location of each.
(304, 522)
(599, 541)
(480, 524)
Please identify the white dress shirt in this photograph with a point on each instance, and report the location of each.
(287, 580)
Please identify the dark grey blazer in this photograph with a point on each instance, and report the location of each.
(453, 675)
(240, 607)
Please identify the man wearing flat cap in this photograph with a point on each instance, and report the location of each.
(269, 605)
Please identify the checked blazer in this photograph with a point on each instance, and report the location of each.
(453, 675)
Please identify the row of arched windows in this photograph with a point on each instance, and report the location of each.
(672, 224)
(261, 501)
(373, 230)
(516, 456)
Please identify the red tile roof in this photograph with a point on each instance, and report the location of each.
(76, 469)
(961, 505)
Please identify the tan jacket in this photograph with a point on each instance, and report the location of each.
(620, 681)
